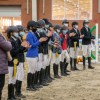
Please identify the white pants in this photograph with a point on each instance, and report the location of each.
(86, 50)
(32, 64)
(50, 56)
(73, 53)
(20, 72)
(64, 55)
(46, 61)
(40, 61)
(55, 59)
(12, 79)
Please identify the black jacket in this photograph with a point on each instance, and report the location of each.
(43, 47)
(14, 52)
(87, 36)
(17, 51)
(74, 38)
(40, 47)
(21, 57)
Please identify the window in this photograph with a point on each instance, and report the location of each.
(71, 9)
(9, 15)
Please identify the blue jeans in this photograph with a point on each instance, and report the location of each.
(2, 82)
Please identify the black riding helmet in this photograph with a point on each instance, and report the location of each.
(41, 22)
(32, 24)
(57, 26)
(46, 21)
(10, 30)
(85, 22)
(74, 23)
(20, 28)
(65, 21)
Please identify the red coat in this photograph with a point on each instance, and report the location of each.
(64, 41)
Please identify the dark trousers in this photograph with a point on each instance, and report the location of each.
(2, 82)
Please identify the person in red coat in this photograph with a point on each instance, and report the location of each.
(65, 59)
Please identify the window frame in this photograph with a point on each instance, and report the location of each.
(78, 13)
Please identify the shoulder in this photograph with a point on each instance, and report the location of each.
(1, 37)
(72, 30)
(83, 28)
(29, 35)
(61, 35)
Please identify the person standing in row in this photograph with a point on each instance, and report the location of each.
(74, 45)
(32, 53)
(65, 44)
(12, 34)
(41, 65)
(46, 49)
(5, 46)
(21, 60)
(55, 43)
(86, 43)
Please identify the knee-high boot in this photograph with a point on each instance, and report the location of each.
(89, 63)
(75, 67)
(84, 63)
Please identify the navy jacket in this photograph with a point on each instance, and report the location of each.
(87, 36)
(74, 38)
(14, 51)
(21, 57)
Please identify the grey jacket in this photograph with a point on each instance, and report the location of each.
(4, 48)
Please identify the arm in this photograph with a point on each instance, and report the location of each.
(83, 33)
(4, 44)
(30, 39)
(14, 50)
(22, 49)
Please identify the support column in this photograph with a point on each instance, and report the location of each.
(98, 6)
(34, 10)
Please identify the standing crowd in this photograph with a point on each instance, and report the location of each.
(46, 45)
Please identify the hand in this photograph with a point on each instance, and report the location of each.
(70, 34)
(49, 34)
(43, 39)
(73, 34)
(25, 44)
(81, 36)
(55, 45)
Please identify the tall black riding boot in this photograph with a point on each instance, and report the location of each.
(89, 63)
(36, 78)
(19, 90)
(84, 67)
(34, 81)
(65, 69)
(62, 69)
(49, 73)
(11, 92)
(66, 65)
(41, 78)
(75, 67)
(0, 93)
(30, 82)
(48, 79)
(71, 64)
(56, 70)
